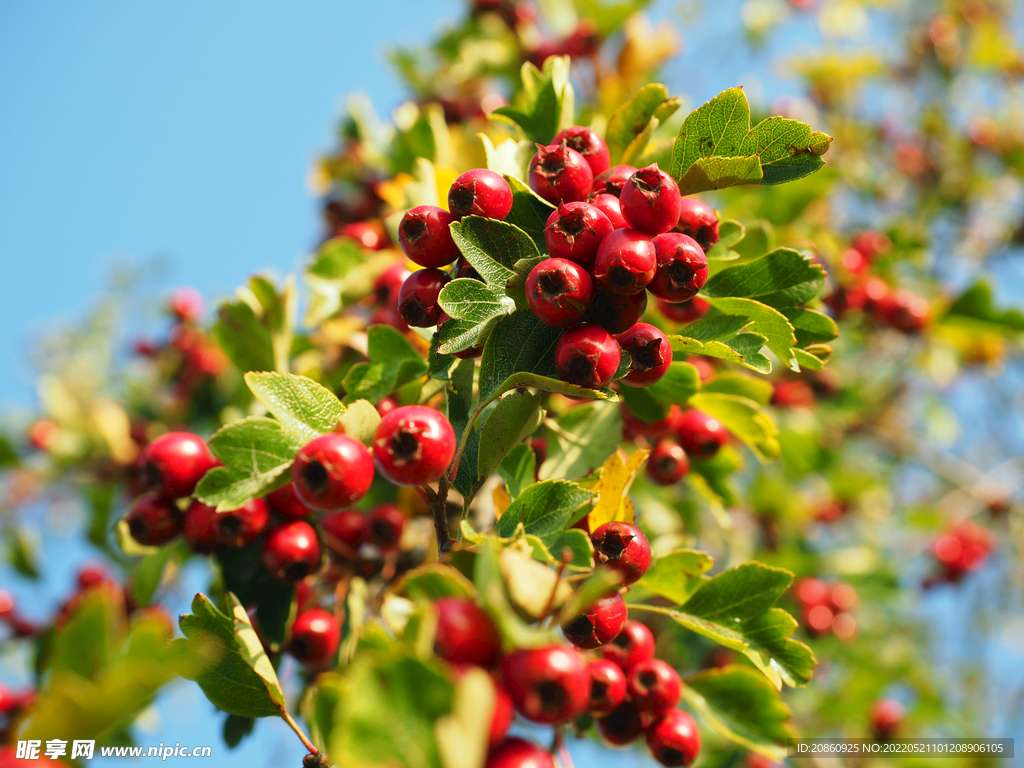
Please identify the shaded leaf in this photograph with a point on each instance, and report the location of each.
(513, 419)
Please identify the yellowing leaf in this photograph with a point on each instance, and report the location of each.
(501, 500)
(617, 477)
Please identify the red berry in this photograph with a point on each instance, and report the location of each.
(43, 434)
(292, 551)
(872, 244)
(548, 685)
(654, 430)
(612, 181)
(417, 301)
(654, 687)
(413, 445)
(650, 354)
(701, 435)
(810, 591)
(480, 192)
(599, 624)
(675, 740)
(316, 635)
(332, 471)
(153, 520)
(650, 201)
(792, 394)
(466, 634)
(559, 292)
(842, 597)
(560, 174)
(853, 261)
(686, 311)
(616, 313)
(682, 268)
(241, 526)
(519, 753)
(384, 526)
(621, 727)
(817, 619)
(348, 527)
(607, 687)
(89, 576)
(668, 463)
(626, 261)
(574, 231)
(364, 233)
(504, 714)
(200, 529)
(186, 304)
(587, 143)
(904, 310)
(424, 236)
(699, 221)
(175, 462)
(587, 356)
(465, 269)
(705, 368)
(887, 716)
(624, 548)
(389, 283)
(287, 502)
(609, 205)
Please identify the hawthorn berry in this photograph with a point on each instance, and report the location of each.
(575, 230)
(675, 739)
(810, 591)
(611, 182)
(519, 753)
(347, 527)
(609, 205)
(817, 619)
(654, 430)
(792, 393)
(559, 292)
(199, 528)
(43, 434)
(623, 548)
(173, 463)
(153, 520)
(387, 405)
(654, 687)
(560, 174)
(89, 575)
(616, 313)
(599, 624)
(904, 310)
(466, 634)
(241, 526)
(480, 192)
(685, 311)
(701, 434)
(286, 501)
(650, 354)
(842, 597)
(384, 526)
(587, 143)
(503, 715)
(186, 304)
(332, 471)
(607, 687)
(548, 685)
(668, 463)
(650, 201)
(363, 232)
(887, 716)
(291, 551)
(418, 299)
(389, 283)
(682, 268)
(424, 236)
(587, 356)
(623, 726)
(315, 636)
(699, 221)
(853, 261)
(626, 261)
(413, 445)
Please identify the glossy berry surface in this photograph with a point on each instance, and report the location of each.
(480, 192)
(548, 685)
(650, 201)
(667, 464)
(389, 283)
(607, 687)
(364, 233)
(173, 463)
(654, 687)
(466, 634)
(316, 635)
(574, 231)
(503, 715)
(291, 551)
(332, 471)
(560, 174)
(701, 435)
(616, 313)
(650, 354)
(199, 528)
(425, 238)
(609, 205)
(613, 180)
(682, 268)
(621, 727)
(241, 526)
(624, 548)
(699, 221)
(559, 292)
(586, 141)
(587, 356)
(599, 624)
(347, 528)
(384, 526)
(286, 501)
(153, 520)
(626, 261)
(685, 311)
(413, 445)
(674, 740)
(655, 430)
(519, 753)
(418, 299)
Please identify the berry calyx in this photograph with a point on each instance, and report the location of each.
(480, 192)
(173, 463)
(418, 299)
(623, 548)
(626, 261)
(623, 726)
(616, 313)
(587, 356)
(682, 268)
(607, 687)
(650, 354)
(599, 624)
(519, 753)
(653, 430)
(292, 551)
(316, 635)
(347, 528)
(548, 685)
(586, 141)
(609, 205)
(675, 739)
(384, 526)
(613, 180)
(560, 174)
(654, 687)
(241, 526)
(286, 501)
(575, 230)
(466, 634)
(699, 221)
(559, 292)
(332, 471)
(667, 464)
(424, 236)
(153, 520)
(413, 445)
(701, 435)
(650, 201)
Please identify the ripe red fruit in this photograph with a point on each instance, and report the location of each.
(480, 192)
(153, 520)
(292, 551)
(559, 292)
(413, 445)
(417, 300)
(853, 261)
(503, 715)
(587, 143)
(686, 311)
(363, 232)
(599, 624)
(674, 740)
(384, 526)
(89, 576)
(810, 591)
(607, 687)
(548, 685)
(609, 205)
(654, 430)
(654, 687)
(316, 635)
(904, 310)
(701, 435)
(286, 501)
(650, 354)
(872, 244)
(887, 716)
(186, 304)
(241, 526)
(650, 201)
(842, 597)
(332, 471)
(616, 313)
(466, 634)
(424, 236)
(792, 393)
(668, 463)
(175, 462)
(621, 727)
(817, 619)
(574, 231)
(587, 356)
(348, 527)
(519, 753)
(682, 268)
(624, 548)
(560, 174)
(626, 261)
(699, 221)
(611, 181)
(389, 283)
(387, 405)
(465, 269)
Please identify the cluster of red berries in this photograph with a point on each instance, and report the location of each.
(676, 438)
(963, 548)
(826, 607)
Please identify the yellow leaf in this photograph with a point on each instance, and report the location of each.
(501, 500)
(617, 477)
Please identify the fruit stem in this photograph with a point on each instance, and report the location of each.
(298, 732)
(558, 746)
(439, 509)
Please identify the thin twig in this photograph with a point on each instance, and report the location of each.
(298, 732)
(439, 509)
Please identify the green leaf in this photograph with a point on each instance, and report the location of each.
(237, 728)
(492, 247)
(680, 382)
(514, 419)
(631, 120)
(510, 158)
(781, 278)
(304, 408)
(244, 337)
(707, 173)
(720, 336)
(519, 342)
(463, 734)
(572, 539)
(429, 582)
(811, 327)
(545, 105)
(544, 509)
(460, 407)
(360, 421)
(977, 303)
(744, 419)
(22, 552)
(393, 362)
(642, 404)
(583, 438)
(530, 211)
(150, 569)
(677, 575)
(787, 149)
(734, 383)
(475, 307)
(244, 575)
(340, 273)
(609, 16)
(764, 321)
(518, 469)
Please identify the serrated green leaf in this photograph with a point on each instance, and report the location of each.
(513, 419)
(707, 173)
(459, 335)
(469, 299)
(583, 438)
(764, 321)
(518, 343)
(680, 382)
(304, 408)
(492, 247)
(544, 509)
(243, 336)
(719, 337)
(574, 540)
(787, 149)
(360, 421)
(545, 105)
(781, 278)
(530, 211)
(810, 326)
(394, 362)
(631, 119)
(518, 469)
(744, 419)
(677, 575)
